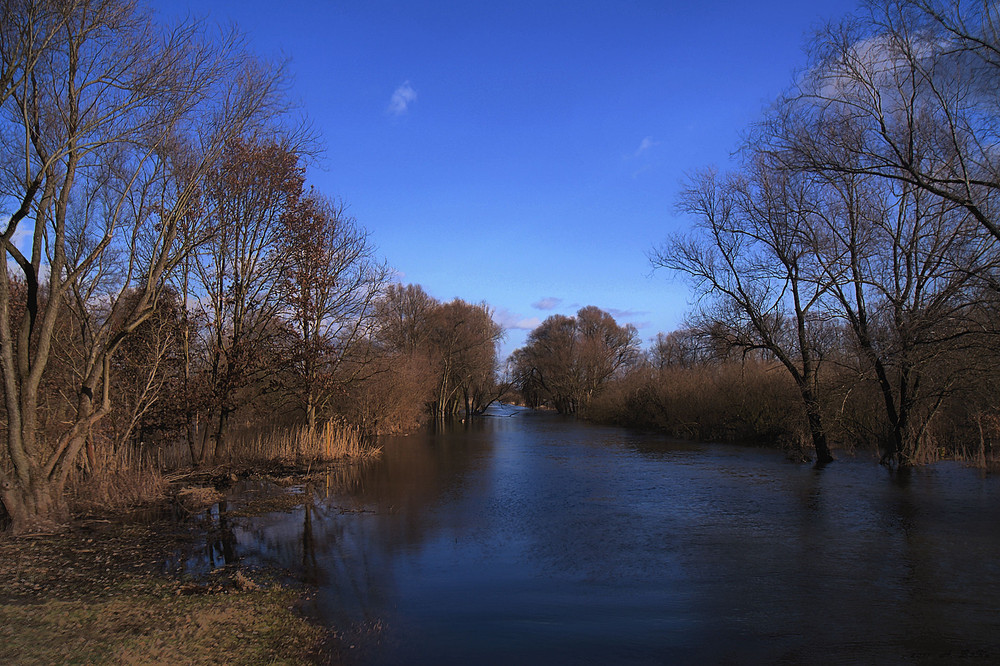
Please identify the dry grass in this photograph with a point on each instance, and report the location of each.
(196, 498)
(751, 402)
(157, 622)
(332, 442)
(115, 481)
(98, 593)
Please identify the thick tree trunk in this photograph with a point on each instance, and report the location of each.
(38, 507)
(190, 434)
(894, 447)
(205, 438)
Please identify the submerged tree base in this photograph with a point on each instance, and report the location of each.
(823, 460)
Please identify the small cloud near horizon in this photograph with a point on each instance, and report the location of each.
(512, 321)
(401, 99)
(549, 303)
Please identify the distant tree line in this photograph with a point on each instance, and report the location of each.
(168, 276)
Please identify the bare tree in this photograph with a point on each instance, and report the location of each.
(403, 317)
(677, 349)
(546, 368)
(462, 346)
(906, 92)
(895, 124)
(752, 270)
(332, 282)
(239, 273)
(567, 360)
(451, 348)
(901, 267)
(109, 123)
(146, 385)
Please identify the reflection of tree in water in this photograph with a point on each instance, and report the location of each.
(350, 526)
(221, 542)
(310, 567)
(220, 547)
(323, 545)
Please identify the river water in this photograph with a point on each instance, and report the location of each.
(528, 538)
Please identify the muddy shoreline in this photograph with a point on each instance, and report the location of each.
(107, 587)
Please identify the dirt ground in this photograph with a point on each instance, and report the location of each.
(98, 592)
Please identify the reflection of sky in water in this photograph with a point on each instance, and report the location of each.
(535, 538)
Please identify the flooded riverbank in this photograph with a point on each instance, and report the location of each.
(528, 537)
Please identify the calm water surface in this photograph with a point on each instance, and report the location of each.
(527, 538)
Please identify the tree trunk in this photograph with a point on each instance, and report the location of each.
(820, 444)
(894, 447)
(221, 442)
(38, 507)
(310, 412)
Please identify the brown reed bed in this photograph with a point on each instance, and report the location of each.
(329, 443)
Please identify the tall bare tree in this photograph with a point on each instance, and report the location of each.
(332, 282)
(403, 317)
(902, 269)
(567, 360)
(462, 347)
(255, 184)
(895, 122)
(751, 267)
(109, 122)
(905, 92)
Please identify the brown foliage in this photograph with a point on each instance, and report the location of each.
(754, 402)
(567, 360)
(450, 349)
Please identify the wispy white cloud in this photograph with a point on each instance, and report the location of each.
(644, 146)
(549, 303)
(514, 321)
(401, 99)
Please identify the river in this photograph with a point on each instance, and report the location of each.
(528, 538)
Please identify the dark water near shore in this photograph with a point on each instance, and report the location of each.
(527, 538)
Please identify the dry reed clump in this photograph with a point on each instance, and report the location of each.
(244, 583)
(115, 480)
(748, 402)
(332, 442)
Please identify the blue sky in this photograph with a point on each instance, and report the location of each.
(527, 154)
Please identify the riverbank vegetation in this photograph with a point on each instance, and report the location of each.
(846, 274)
(173, 292)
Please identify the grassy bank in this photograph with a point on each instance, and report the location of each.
(150, 622)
